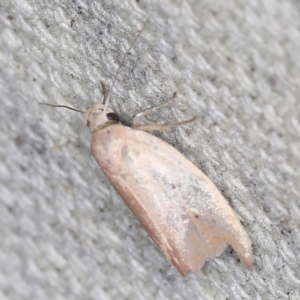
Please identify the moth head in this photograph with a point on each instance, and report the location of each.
(97, 117)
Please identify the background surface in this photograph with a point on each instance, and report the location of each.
(65, 234)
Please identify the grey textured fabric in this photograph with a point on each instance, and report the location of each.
(65, 233)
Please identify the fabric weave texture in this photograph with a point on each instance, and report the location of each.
(65, 233)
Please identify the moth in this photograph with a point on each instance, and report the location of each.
(178, 205)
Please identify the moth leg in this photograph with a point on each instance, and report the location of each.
(105, 91)
(163, 127)
(148, 111)
(242, 220)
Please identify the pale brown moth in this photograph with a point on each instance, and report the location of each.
(179, 206)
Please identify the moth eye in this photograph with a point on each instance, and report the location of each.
(113, 117)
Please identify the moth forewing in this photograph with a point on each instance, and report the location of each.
(179, 206)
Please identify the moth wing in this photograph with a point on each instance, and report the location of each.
(179, 206)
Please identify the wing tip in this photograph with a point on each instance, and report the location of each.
(248, 262)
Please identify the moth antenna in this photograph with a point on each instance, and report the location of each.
(121, 65)
(64, 106)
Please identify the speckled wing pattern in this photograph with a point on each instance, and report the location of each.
(179, 206)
